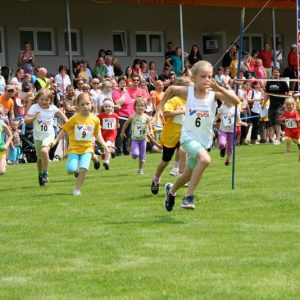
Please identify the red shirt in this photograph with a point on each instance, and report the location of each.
(292, 124)
(266, 57)
(292, 60)
(109, 126)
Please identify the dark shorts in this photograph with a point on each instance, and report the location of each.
(149, 147)
(169, 152)
(274, 114)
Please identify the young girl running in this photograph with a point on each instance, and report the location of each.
(292, 124)
(226, 134)
(42, 115)
(174, 111)
(196, 134)
(109, 128)
(140, 127)
(4, 145)
(81, 128)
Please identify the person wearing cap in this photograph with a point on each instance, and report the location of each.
(292, 66)
(7, 102)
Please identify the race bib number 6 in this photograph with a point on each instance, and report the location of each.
(84, 133)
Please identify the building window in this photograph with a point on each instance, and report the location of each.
(120, 43)
(41, 39)
(75, 42)
(149, 43)
(252, 42)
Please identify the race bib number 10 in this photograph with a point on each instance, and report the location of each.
(84, 133)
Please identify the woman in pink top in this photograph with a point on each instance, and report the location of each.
(122, 98)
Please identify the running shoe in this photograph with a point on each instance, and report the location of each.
(170, 199)
(188, 202)
(154, 187)
(76, 192)
(174, 171)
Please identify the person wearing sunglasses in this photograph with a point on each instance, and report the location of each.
(7, 102)
(136, 91)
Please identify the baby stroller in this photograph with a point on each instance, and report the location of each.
(28, 154)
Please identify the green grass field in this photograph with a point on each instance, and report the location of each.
(116, 241)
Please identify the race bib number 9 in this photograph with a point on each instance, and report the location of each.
(109, 123)
(84, 133)
(291, 123)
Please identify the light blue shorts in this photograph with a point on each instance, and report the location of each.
(192, 147)
(78, 161)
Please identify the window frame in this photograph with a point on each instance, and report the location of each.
(148, 52)
(250, 36)
(78, 42)
(120, 32)
(35, 30)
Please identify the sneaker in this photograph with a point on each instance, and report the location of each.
(106, 166)
(96, 165)
(45, 178)
(140, 172)
(170, 199)
(174, 171)
(222, 152)
(154, 187)
(227, 163)
(76, 192)
(41, 182)
(276, 142)
(188, 202)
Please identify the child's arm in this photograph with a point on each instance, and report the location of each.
(224, 94)
(60, 135)
(9, 135)
(239, 121)
(30, 118)
(154, 141)
(173, 90)
(60, 114)
(174, 113)
(100, 140)
(123, 135)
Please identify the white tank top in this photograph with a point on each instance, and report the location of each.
(199, 118)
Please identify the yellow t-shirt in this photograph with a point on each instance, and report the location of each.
(81, 131)
(171, 132)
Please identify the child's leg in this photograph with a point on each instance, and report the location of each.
(107, 154)
(13, 154)
(182, 160)
(222, 140)
(142, 153)
(288, 146)
(229, 138)
(2, 163)
(44, 158)
(134, 149)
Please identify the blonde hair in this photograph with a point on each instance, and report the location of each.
(290, 100)
(106, 84)
(83, 96)
(43, 92)
(198, 66)
(138, 100)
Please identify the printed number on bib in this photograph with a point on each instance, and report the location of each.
(227, 120)
(109, 123)
(194, 118)
(139, 131)
(291, 123)
(84, 133)
(43, 126)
